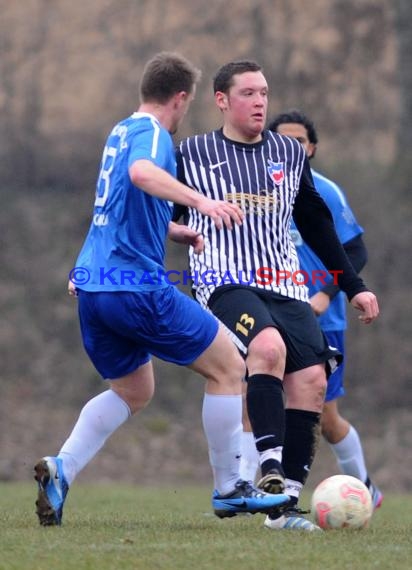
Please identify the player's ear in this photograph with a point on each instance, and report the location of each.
(221, 100)
(180, 98)
(312, 148)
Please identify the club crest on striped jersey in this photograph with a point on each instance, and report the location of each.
(276, 172)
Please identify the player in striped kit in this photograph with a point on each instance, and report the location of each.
(248, 276)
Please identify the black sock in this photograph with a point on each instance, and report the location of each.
(293, 501)
(264, 399)
(301, 440)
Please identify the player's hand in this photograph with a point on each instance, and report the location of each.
(180, 233)
(368, 304)
(71, 289)
(319, 302)
(221, 212)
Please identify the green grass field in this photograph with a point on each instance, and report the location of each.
(109, 527)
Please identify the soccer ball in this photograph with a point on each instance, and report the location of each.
(341, 501)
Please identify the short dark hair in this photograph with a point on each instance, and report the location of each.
(295, 116)
(223, 80)
(166, 74)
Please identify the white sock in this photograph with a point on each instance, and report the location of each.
(222, 423)
(99, 418)
(249, 462)
(293, 488)
(349, 455)
(273, 453)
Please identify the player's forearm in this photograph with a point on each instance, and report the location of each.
(328, 248)
(331, 290)
(157, 182)
(356, 251)
(314, 221)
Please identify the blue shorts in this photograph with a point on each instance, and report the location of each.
(121, 330)
(335, 387)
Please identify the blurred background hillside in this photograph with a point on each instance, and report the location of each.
(68, 71)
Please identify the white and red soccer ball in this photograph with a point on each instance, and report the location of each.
(341, 501)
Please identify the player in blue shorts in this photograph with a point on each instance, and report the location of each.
(128, 311)
(329, 302)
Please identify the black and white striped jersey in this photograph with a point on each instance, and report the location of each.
(263, 178)
(271, 181)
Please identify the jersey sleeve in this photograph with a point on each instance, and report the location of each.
(150, 142)
(315, 222)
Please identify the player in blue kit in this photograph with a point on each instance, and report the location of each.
(129, 313)
(329, 302)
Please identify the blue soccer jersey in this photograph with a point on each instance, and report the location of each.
(347, 228)
(125, 247)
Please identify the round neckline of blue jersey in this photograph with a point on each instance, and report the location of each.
(141, 115)
(243, 144)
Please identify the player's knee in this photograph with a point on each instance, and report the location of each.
(135, 398)
(267, 351)
(236, 368)
(229, 372)
(316, 379)
(319, 391)
(137, 403)
(311, 389)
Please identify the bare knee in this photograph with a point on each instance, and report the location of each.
(305, 389)
(222, 366)
(133, 398)
(267, 353)
(233, 370)
(136, 389)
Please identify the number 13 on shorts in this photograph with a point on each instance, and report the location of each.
(245, 324)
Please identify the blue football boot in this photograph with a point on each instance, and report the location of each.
(246, 499)
(52, 490)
